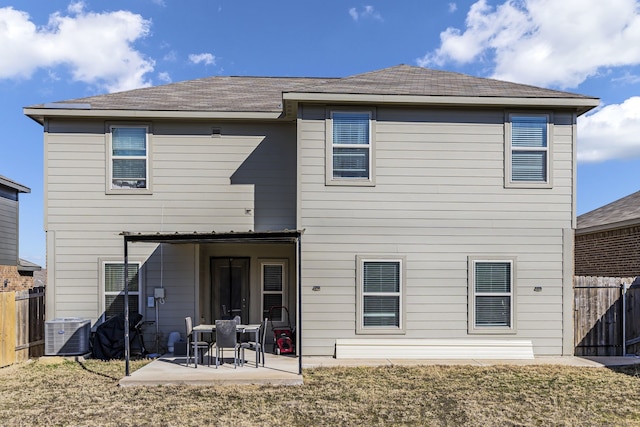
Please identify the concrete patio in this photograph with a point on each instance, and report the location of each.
(172, 370)
(283, 370)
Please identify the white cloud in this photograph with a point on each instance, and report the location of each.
(354, 13)
(366, 12)
(97, 48)
(170, 56)
(627, 78)
(453, 7)
(611, 132)
(207, 58)
(164, 77)
(545, 42)
(76, 7)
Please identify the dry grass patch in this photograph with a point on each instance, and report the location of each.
(87, 394)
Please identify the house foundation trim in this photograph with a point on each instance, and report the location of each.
(433, 349)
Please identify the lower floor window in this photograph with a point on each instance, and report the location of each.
(273, 287)
(492, 295)
(381, 289)
(114, 289)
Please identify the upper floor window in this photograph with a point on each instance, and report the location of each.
(129, 156)
(528, 150)
(350, 148)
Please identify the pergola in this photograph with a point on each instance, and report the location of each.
(282, 236)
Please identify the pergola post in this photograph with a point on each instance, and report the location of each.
(126, 308)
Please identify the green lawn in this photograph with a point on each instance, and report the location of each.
(86, 394)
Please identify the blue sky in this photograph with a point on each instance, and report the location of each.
(59, 50)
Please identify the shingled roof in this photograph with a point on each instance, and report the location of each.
(616, 214)
(267, 94)
(263, 94)
(409, 80)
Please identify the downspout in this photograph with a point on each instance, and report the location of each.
(299, 316)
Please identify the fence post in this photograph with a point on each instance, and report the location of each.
(7, 328)
(623, 287)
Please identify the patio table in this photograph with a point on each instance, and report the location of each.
(205, 328)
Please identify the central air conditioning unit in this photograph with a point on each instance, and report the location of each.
(67, 336)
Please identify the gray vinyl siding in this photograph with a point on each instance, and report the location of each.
(439, 198)
(242, 180)
(8, 231)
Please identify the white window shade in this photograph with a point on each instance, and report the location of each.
(114, 290)
(492, 294)
(529, 149)
(351, 145)
(381, 294)
(129, 157)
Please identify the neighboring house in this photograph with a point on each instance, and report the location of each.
(404, 211)
(15, 274)
(608, 240)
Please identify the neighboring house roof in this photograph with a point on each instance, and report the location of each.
(24, 265)
(275, 97)
(14, 185)
(620, 213)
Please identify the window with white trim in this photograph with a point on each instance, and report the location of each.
(380, 295)
(273, 288)
(528, 150)
(350, 148)
(113, 276)
(129, 154)
(491, 295)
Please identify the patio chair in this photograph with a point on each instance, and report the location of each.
(202, 346)
(257, 345)
(226, 337)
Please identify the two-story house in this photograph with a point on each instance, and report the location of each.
(16, 274)
(404, 211)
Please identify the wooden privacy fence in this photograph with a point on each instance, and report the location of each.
(606, 315)
(21, 325)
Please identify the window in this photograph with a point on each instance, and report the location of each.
(491, 296)
(129, 154)
(273, 288)
(113, 274)
(528, 150)
(350, 148)
(380, 296)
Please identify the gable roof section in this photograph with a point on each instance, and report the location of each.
(620, 213)
(407, 84)
(250, 94)
(276, 97)
(417, 81)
